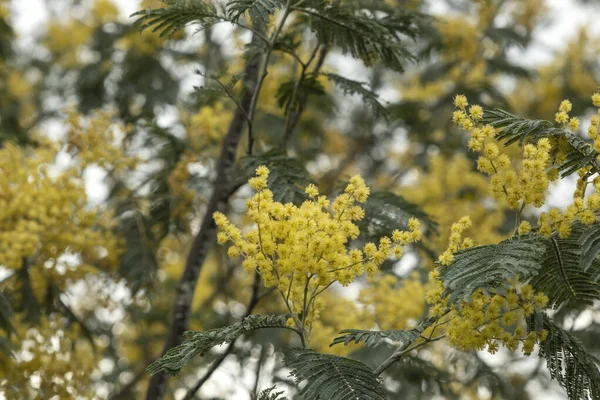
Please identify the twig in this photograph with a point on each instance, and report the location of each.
(206, 235)
(215, 365)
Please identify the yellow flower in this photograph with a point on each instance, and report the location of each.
(565, 106)
(460, 101)
(561, 117)
(596, 99)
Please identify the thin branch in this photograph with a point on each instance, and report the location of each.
(206, 235)
(402, 350)
(264, 70)
(254, 298)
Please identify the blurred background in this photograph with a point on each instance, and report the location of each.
(109, 140)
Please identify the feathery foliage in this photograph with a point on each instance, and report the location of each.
(177, 14)
(360, 35)
(201, 342)
(309, 86)
(386, 211)
(374, 338)
(351, 87)
(572, 365)
(288, 178)
(521, 130)
(561, 277)
(491, 265)
(589, 241)
(332, 377)
(270, 394)
(259, 10)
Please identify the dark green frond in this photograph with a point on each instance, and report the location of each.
(358, 34)
(517, 129)
(513, 129)
(327, 376)
(589, 241)
(489, 266)
(269, 394)
(176, 15)
(287, 179)
(201, 342)
(386, 211)
(350, 87)
(310, 86)
(561, 278)
(568, 361)
(259, 10)
(374, 338)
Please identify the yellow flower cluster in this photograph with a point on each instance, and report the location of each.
(52, 362)
(208, 126)
(100, 141)
(455, 242)
(449, 189)
(178, 184)
(593, 130)
(488, 320)
(394, 303)
(581, 210)
(303, 250)
(517, 187)
(44, 215)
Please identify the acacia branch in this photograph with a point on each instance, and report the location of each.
(206, 235)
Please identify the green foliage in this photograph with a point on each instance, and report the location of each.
(364, 37)
(288, 176)
(259, 10)
(374, 338)
(562, 277)
(201, 342)
(327, 376)
(269, 394)
(6, 314)
(521, 130)
(589, 241)
(176, 15)
(568, 361)
(386, 211)
(309, 86)
(489, 266)
(351, 87)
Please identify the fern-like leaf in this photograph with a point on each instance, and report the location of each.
(332, 377)
(270, 394)
(589, 241)
(201, 342)
(356, 33)
(176, 15)
(385, 211)
(516, 129)
(351, 87)
(561, 278)
(287, 179)
(259, 10)
(374, 338)
(310, 86)
(569, 362)
(489, 266)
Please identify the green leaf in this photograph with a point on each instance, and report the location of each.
(269, 394)
(350, 87)
(490, 266)
(199, 343)
(561, 277)
(569, 362)
(386, 211)
(259, 10)
(358, 34)
(310, 86)
(589, 241)
(521, 130)
(374, 338)
(332, 377)
(176, 15)
(287, 179)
